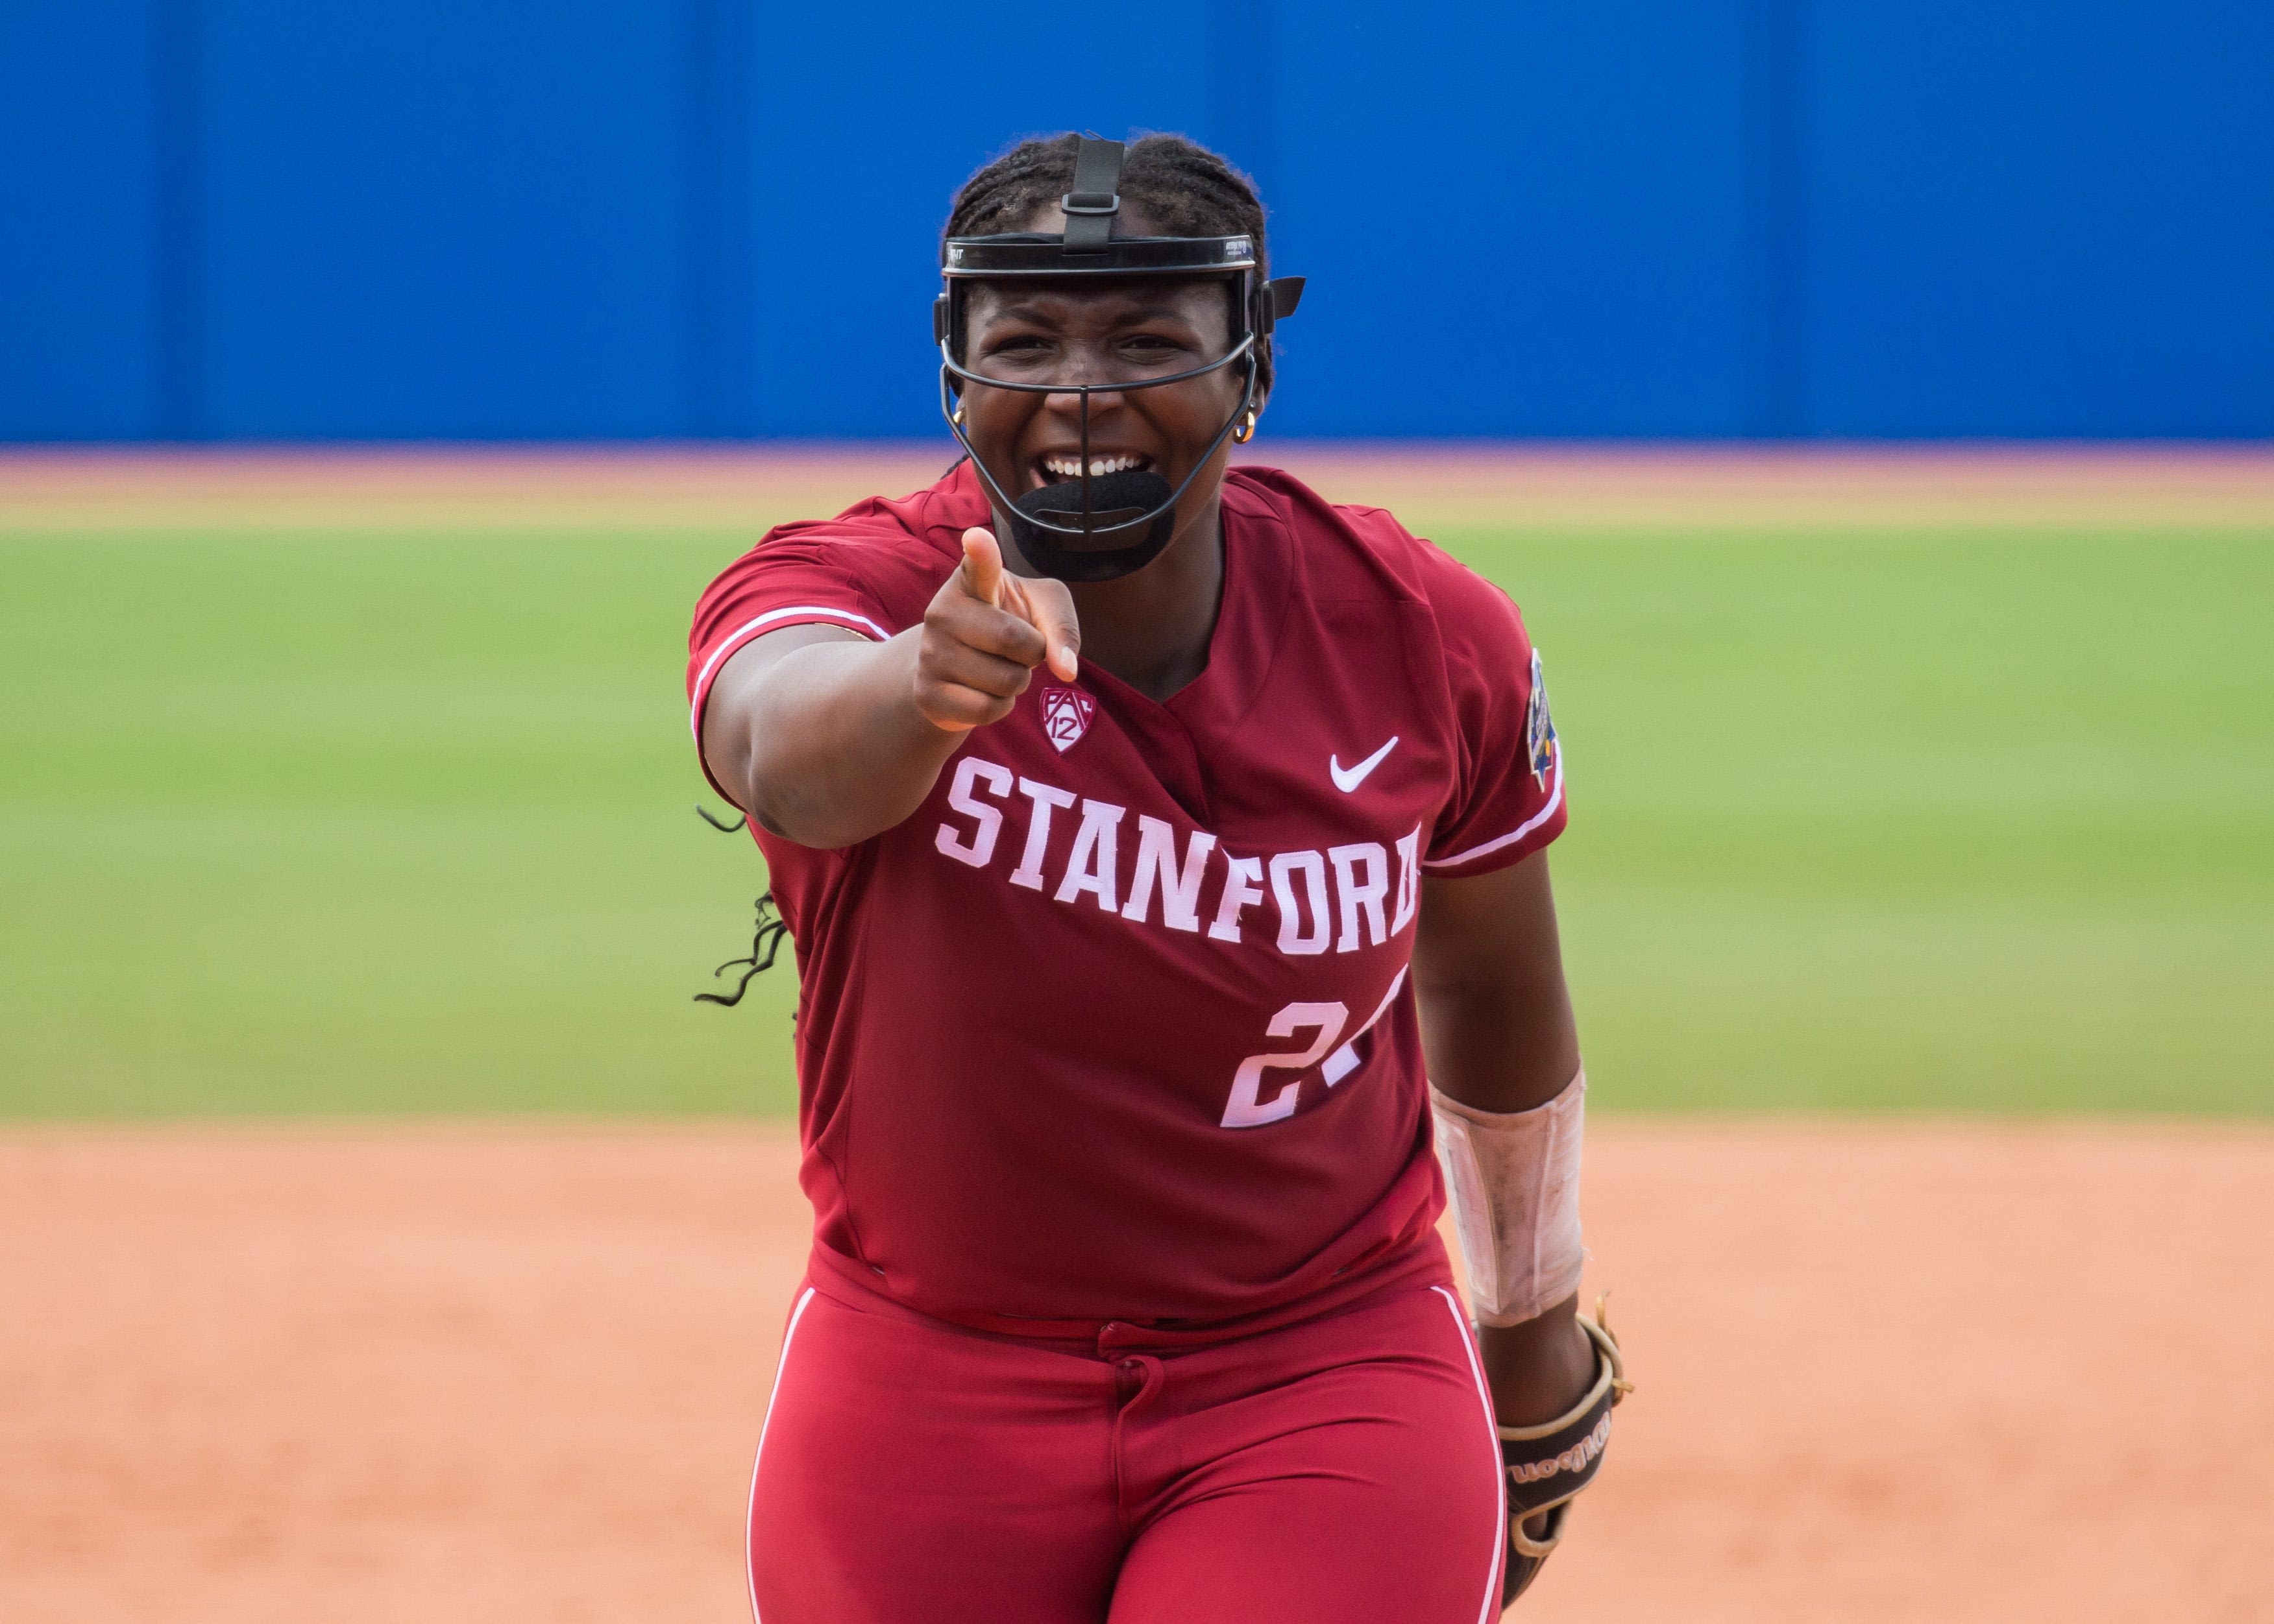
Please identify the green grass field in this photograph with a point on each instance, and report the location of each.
(324, 823)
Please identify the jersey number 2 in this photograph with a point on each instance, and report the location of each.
(1248, 1109)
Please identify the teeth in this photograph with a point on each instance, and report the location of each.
(1068, 467)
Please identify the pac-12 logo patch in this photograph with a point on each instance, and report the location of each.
(1065, 715)
(1539, 727)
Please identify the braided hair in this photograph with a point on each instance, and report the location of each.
(1186, 190)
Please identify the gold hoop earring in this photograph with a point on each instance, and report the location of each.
(956, 417)
(1246, 432)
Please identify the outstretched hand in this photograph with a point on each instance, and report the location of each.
(985, 632)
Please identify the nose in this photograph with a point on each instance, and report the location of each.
(1102, 400)
(1086, 366)
(1069, 405)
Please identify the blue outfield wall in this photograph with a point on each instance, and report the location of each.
(620, 219)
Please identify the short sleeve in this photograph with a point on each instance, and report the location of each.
(794, 577)
(1509, 801)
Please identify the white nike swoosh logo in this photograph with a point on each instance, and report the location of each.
(1348, 778)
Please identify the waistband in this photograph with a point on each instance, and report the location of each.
(1414, 1263)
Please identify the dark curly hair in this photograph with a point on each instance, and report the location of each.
(1186, 190)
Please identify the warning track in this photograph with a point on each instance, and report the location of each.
(746, 488)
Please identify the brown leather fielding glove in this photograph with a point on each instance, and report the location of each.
(1547, 1465)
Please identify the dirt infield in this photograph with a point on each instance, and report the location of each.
(749, 487)
(402, 1374)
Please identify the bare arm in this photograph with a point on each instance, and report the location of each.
(827, 739)
(1496, 1026)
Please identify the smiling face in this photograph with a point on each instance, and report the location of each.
(1101, 334)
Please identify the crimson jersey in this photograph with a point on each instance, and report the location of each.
(1117, 1025)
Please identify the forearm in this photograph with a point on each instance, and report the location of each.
(830, 746)
(1505, 1049)
(1497, 1028)
(1496, 1022)
(1504, 1045)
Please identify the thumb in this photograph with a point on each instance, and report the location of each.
(1050, 606)
(983, 565)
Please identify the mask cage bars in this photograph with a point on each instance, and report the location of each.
(1087, 248)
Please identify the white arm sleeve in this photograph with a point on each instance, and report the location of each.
(1513, 1177)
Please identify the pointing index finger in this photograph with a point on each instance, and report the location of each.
(1043, 603)
(983, 565)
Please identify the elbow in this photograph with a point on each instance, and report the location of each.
(786, 809)
(771, 794)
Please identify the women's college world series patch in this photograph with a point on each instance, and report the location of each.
(1539, 727)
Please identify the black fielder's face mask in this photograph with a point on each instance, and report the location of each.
(1093, 526)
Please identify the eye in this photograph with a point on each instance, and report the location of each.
(1017, 353)
(1152, 346)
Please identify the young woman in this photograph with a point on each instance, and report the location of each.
(1152, 834)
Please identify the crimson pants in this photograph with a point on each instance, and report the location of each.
(1340, 1468)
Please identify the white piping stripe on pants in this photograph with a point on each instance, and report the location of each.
(1491, 1608)
(749, 1572)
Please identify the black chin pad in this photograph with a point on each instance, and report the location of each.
(1116, 502)
(1114, 545)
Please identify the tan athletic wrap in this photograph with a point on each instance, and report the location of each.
(1513, 1177)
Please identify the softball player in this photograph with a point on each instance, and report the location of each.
(1152, 834)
